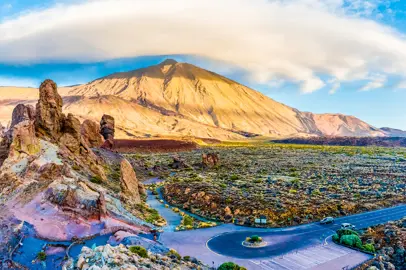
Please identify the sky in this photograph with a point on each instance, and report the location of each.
(336, 56)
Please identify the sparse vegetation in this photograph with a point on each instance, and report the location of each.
(41, 256)
(230, 266)
(288, 184)
(140, 251)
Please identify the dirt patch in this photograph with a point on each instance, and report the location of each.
(155, 145)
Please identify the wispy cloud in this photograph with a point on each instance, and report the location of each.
(292, 40)
(376, 81)
(18, 81)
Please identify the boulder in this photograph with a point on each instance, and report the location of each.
(78, 199)
(49, 117)
(179, 163)
(90, 131)
(210, 159)
(129, 182)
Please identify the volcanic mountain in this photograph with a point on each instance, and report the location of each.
(180, 99)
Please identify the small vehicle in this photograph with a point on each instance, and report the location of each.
(349, 226)
(327, 220)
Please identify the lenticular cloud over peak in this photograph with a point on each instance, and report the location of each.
(300, 41)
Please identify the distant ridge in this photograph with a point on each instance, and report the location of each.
(180, 99)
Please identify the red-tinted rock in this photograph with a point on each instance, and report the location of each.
(71, 133)
(129, 182)
(90, 132)
(210, 159)
(49, 117)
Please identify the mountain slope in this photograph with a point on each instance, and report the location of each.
(181, 99)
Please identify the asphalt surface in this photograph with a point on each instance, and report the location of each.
(281, 241)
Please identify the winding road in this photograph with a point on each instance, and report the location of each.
(302, 247)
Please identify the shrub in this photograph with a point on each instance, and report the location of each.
(186, 258)
(41, 256)
(336, 238)
(293, 191)
(140, 251)
(173, 254)
(255, 238)
(96, 179)
(351, 240)
(187, 220)
(230, 266)
(152, 215)
(369, 247)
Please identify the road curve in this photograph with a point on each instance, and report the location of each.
(283, 240)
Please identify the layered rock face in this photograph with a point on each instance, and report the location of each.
(49, 116)
(107, 127)
(90, 132)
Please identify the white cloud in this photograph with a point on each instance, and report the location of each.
(18, 81)
(292, 40)
(335, 85)
(375, 81)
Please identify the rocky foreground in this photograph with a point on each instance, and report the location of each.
(131, 258)
(59, 177)
(389, 242)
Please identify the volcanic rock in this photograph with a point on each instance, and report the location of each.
(107, 127)
(78, 199)
(22, 113)
(179, 163)
(24, 142)
(71, 133)
(90, 131)
(210, 159)
(129, 182)
(49, 117)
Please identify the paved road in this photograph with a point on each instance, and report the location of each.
(223, 243)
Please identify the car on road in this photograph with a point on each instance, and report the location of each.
(347, 226)
(327, 220)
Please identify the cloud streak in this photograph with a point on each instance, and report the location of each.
(300, 41)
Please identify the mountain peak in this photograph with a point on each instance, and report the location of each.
(168, 62)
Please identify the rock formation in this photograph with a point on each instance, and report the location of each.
(49, 116)
(71, 133)
(179, 163)
(22, 113)
(56, 180)
(129, 182)
(210, 159)
(107, 127)
(24, 142)
(90, 132)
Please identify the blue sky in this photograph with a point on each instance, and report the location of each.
(339, 56)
